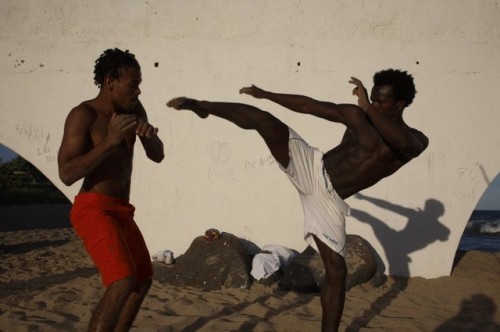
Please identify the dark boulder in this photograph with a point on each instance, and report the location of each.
(306, 273)
(209, 265)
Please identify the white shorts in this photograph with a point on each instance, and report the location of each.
(324, 210)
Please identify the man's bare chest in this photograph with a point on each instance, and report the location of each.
(352, 156)
(99, 132)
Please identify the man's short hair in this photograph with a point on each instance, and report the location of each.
(401, 82)
(110, 64)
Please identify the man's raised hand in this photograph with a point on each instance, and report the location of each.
(145, 129)
(360, 92)
(120, 126)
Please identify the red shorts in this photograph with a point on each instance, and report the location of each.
(111, 237)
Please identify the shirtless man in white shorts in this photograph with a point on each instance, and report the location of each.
(376, 143)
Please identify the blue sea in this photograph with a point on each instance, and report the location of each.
(482, 232)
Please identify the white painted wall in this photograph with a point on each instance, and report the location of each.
(215, 174)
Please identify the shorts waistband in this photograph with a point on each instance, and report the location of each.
(91, 197)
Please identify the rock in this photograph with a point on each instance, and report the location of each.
(306, 272)
(361, 261)
(272, 279)
(209, 265)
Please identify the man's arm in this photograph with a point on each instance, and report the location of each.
(76, 158)
(410, 142)
(148, 135)
(360, 92)
(342, 113)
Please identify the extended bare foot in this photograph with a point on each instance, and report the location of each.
(183, 103)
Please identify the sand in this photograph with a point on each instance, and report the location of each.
(47, 283)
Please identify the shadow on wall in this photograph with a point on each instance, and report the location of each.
(422, 228)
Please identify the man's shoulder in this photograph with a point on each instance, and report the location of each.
(85, 106)
(356, 116)
(84, 112)
(421, 136)
(424, 139)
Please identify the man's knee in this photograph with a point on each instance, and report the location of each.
(334, 263)
(335, 268)
(144, 286)
(268, 124)
(124, 285)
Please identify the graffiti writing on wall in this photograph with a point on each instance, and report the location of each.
(39, 135)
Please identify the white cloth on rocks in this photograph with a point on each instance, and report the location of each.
(264, 264)
(165, 256)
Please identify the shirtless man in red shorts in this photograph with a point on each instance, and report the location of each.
(376, 143)
(98, 146)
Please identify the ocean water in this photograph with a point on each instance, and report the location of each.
(482, 232)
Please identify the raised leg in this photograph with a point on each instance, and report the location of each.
(108, 311)
(333, 290)
(271, 129)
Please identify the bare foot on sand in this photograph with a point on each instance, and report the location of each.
(183, 103)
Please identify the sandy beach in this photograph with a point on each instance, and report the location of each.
(47, 283)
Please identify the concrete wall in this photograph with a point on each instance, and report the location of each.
(217, 175)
